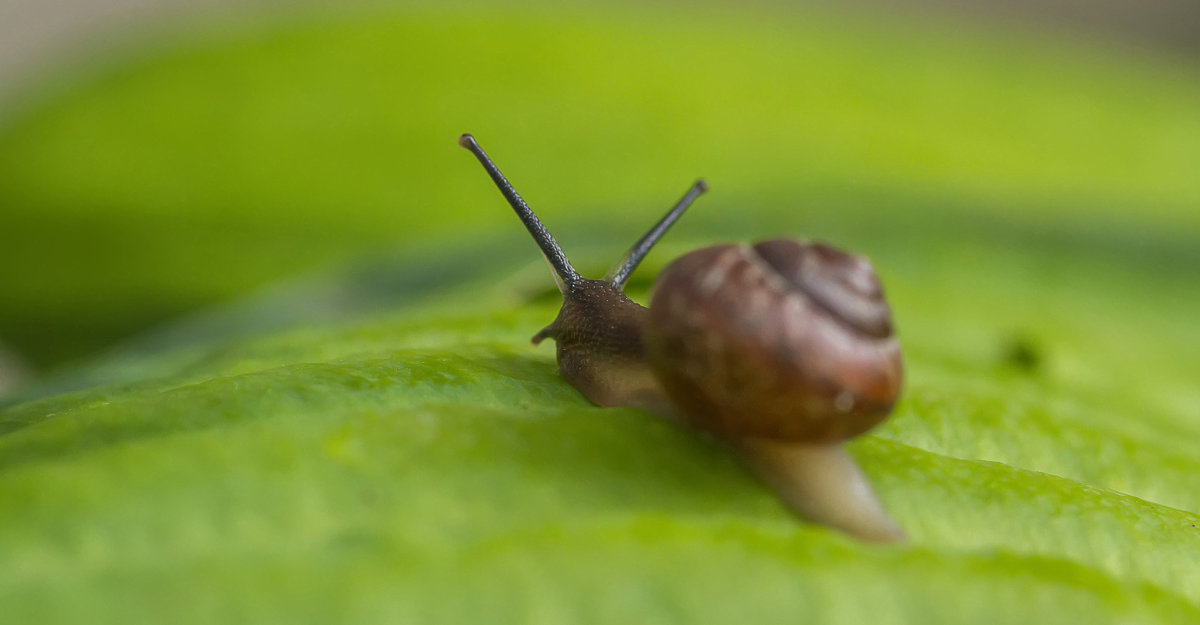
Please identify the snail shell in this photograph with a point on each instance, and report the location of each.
(783, 340)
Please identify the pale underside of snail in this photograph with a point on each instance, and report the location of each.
(783, 349)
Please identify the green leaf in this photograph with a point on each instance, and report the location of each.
(429, 464)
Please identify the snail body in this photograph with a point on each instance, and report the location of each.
(784, 349)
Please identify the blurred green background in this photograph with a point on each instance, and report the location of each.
(201, 159)
(292, 313)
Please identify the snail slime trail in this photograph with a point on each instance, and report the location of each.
(784, 349)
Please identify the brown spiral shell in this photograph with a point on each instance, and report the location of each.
(785, 339)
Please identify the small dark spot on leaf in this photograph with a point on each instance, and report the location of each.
(1023, 353)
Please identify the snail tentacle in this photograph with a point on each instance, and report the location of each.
(564, 274)
(619, 274)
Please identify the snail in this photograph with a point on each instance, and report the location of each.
(783, 349)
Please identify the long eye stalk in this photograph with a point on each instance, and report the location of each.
(565, 274)
(619, 275)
